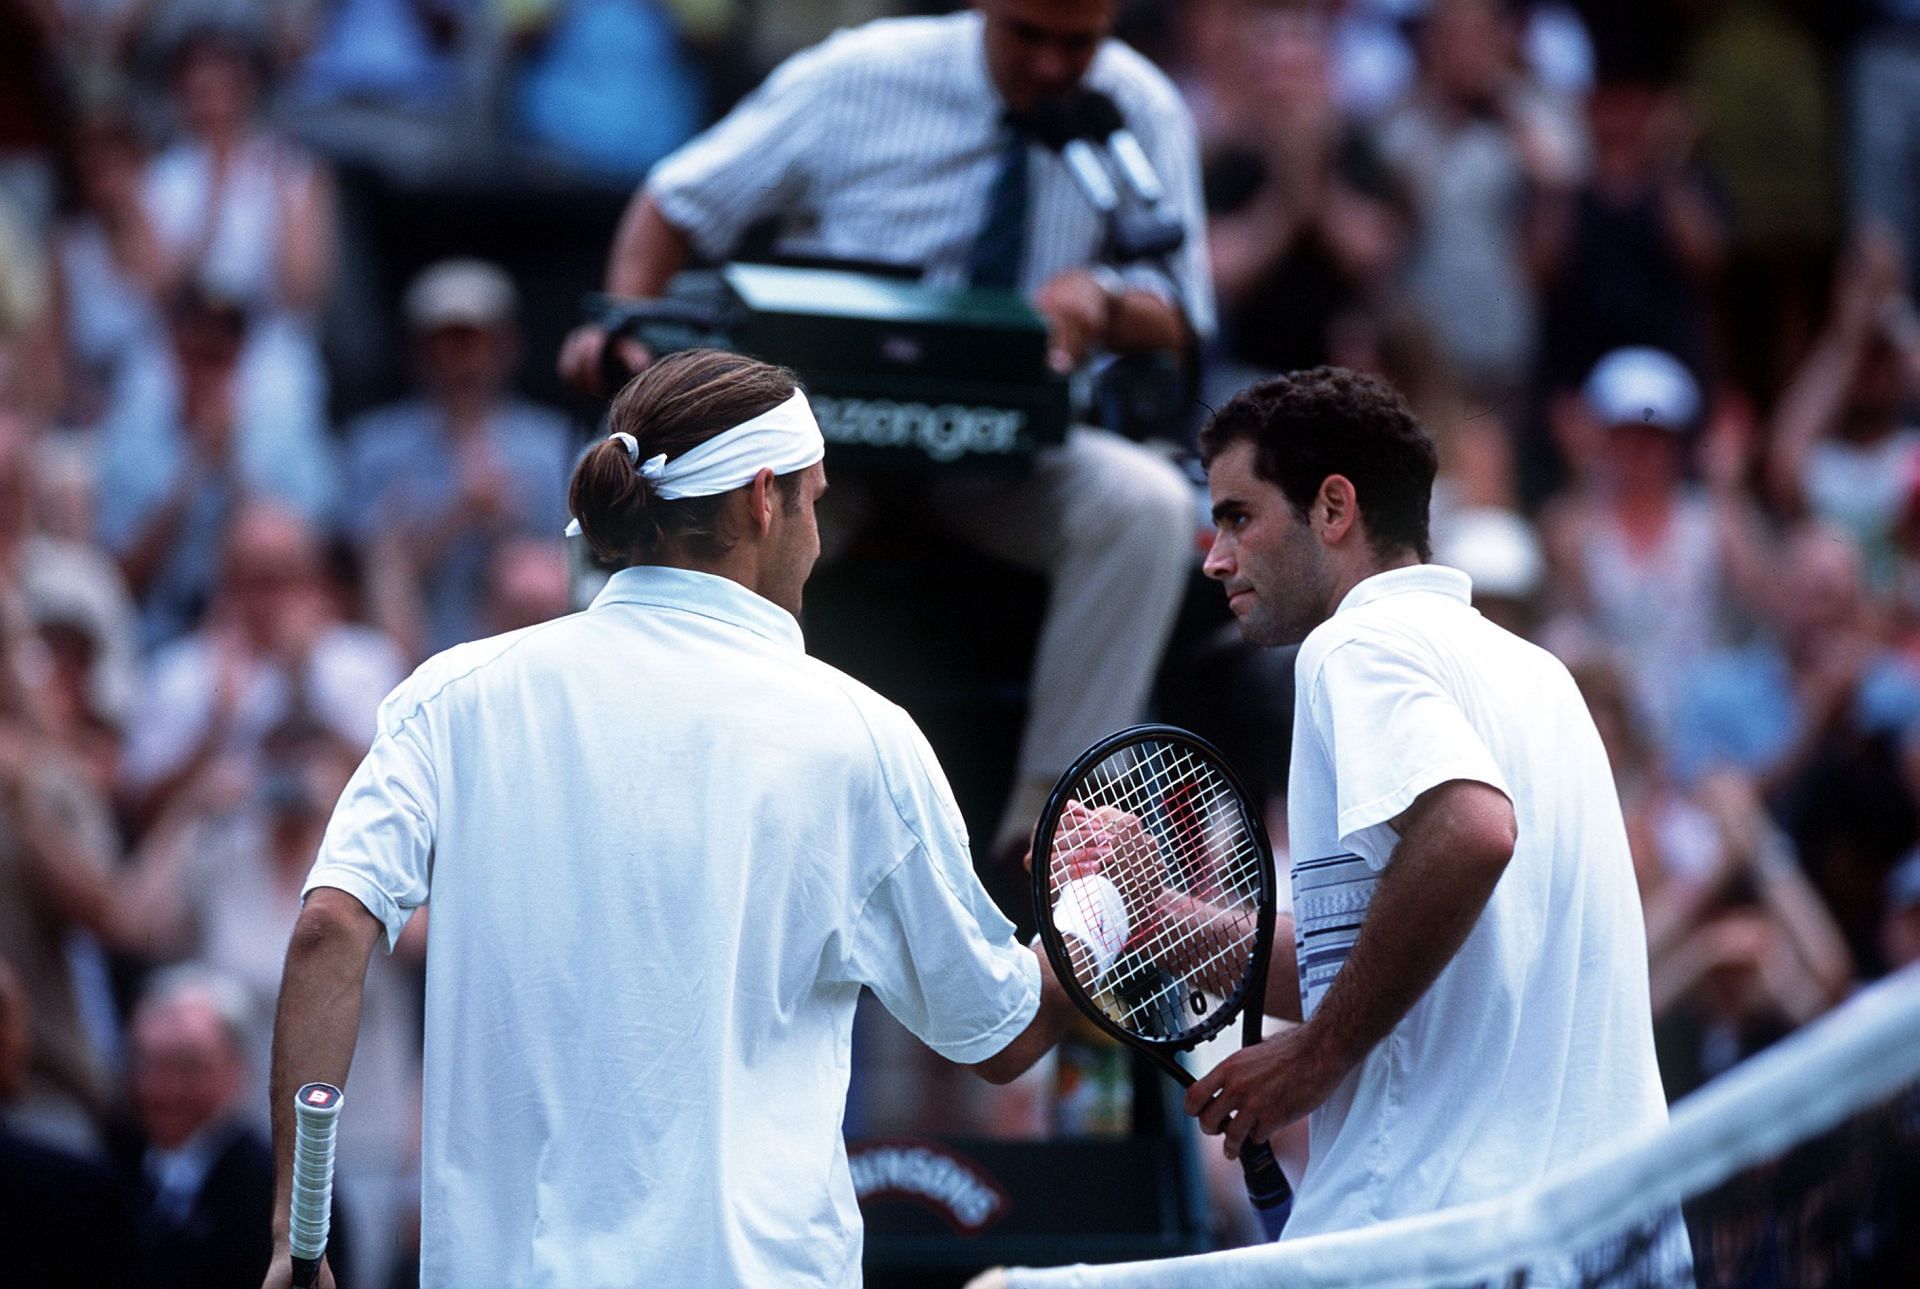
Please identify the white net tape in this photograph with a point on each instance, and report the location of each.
(1849, 1062)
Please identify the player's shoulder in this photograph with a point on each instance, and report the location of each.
(447, 673)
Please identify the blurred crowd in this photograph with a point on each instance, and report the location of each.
(1647, 270)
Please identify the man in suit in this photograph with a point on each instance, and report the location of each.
(204, 1178)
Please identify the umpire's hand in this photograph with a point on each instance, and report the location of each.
(584, 360)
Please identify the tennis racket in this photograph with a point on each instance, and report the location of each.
(316, 1118)
(1154, 888)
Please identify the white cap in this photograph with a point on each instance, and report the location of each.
(1643, 386)
(460, 293)
(1497, 548)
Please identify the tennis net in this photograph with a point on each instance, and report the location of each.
(1799, 1169)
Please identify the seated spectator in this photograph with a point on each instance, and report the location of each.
(436, 483)
(58, 852)
(64, 584)
(225, 865)
(204, 1178)
(245, 215)
(1844, 447)
(528, 582)
(605, 85)
(1819, 711)
(1627, 257)
(1472, 143)
(1647, 566)
(107, 266)
(1501, 552)
(1299, 226)
(193, 433)
(272, 648)
(67, 1218)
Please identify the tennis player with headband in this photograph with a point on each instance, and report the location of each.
(665, 850)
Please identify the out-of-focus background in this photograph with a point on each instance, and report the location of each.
(1645, 267)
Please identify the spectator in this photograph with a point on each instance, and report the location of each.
(527, 583)
(393, 82)
(205, 1179)
(1844, 451)
(67, 1220)
(1471, 145)
(605, 85)
(245, 215)
(1818, 711)
(193, 435)
(1746, 955)
(1884, 132)
(58, 851)
(1501, 552)
(1648, 568)
(272, 649)
(63, 586)
(438, 481)
(1756, 76)
(1300, 228)
(1626, 258)
(107, 260)
(226, 864)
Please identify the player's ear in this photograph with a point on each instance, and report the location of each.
(1336, 508)
(761, 502)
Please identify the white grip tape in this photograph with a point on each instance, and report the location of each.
(316, 1117)
(1091, 910)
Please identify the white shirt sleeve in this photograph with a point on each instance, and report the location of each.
(956, 979)
(379, 844)
(1391, 731)
(755, 161)
(929, 940)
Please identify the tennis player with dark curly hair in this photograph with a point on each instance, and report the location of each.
(1471, 960)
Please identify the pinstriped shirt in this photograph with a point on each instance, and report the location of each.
(882, 144)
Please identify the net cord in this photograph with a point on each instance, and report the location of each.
(1854, 1057)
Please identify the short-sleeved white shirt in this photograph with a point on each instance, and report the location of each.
(665, 849)
(1535, 1044)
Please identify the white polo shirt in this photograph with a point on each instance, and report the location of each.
(664, 849)
(1536, 1042)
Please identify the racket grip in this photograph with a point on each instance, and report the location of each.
(316, 1118)
(1267, 1188)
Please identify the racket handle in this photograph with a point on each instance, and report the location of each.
(316, 1118)
(1267, 1188)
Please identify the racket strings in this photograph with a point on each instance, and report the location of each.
(1170, 832)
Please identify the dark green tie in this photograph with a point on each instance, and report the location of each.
(1001, 243)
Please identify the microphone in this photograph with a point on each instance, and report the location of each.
(1058, 125)
(1101, 119)
(1116, 176)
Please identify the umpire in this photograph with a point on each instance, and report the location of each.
(903, 140)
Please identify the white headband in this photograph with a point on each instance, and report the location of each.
(782, 439)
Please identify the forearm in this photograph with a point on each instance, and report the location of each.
(647, 251)
(317, 1019)
(1049, 1024)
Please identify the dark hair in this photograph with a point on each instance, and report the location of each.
(672, 407)
(1307, 425)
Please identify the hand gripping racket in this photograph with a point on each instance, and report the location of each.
(1153, 884)
(316, 1118)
